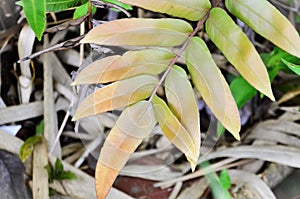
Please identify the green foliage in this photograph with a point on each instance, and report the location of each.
(27, 147)
(118, 3)
(219, 186)
(59, 5)
(225, 179)
(58, 173)
(82, 10)
(295, 68)
(35, 12)
(40, 128)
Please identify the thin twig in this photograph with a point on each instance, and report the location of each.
(217, 3)
(106, 4)
(178, 55)
(61, 46)
(201, 172)
(60, 132)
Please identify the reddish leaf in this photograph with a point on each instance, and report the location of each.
(135, 123)
(140, 32)
(116, 95)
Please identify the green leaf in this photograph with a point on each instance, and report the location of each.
(140, 32)
(116, 95)
(59, 5)
(58, 168)
(66, 175)
(225, 179)
(27, 147)
(134, 124)
(295, 68)
(267, 21)
(217, 188)
(82, 10)
(131, 64)
(35, 13)
(212, 85)
(241, 91)
(50, 172)
(175, 131)
(182, 102)
(238, 49)
(58, 173)
(190, 9)
(40, 128)
(118, 3)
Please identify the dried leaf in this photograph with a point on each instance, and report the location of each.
(252, 181)
(285, 155)
(189, 9)
(157, 172)
(140, 32)
(135, 123)
(116, 95)
(79, 188)
(267, 21)
(132, 63)
(212, 86)
(196, 190)
(238, 49)
(175, 131)
(182, 102)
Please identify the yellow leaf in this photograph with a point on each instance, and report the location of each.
(267, 21)
(116, 95)
(238, 50)
(175, 131)
(132, 63)
(212, 86)
(135, 123)
(182, 102)
(140, 32)
(190, 9)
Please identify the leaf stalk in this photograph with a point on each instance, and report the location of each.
(182, 49)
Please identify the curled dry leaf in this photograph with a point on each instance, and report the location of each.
(238, 49)
(135, 123)
(189, 9)
(140, 32)
(252, 181)
(116, 95)
(132, 63)
(267, 21)
(212, 86)
(175, 131)
(182, 102)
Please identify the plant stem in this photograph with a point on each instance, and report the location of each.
(174, 60)
(217, 3)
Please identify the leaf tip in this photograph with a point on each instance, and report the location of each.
(74, 83)
(74, 118)
(237, 136)
(272, 97)
(269, 94)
